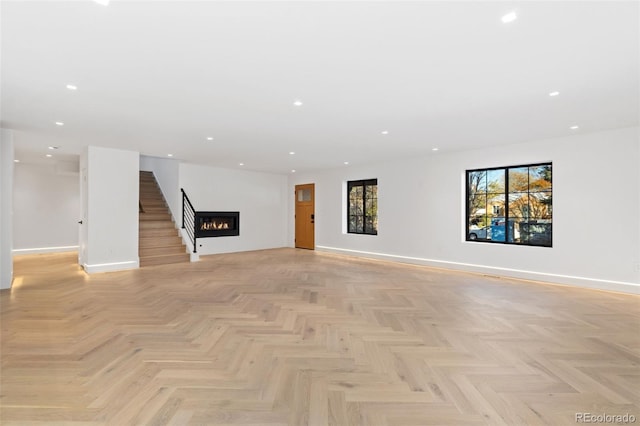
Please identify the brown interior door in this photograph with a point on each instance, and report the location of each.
(305, 219)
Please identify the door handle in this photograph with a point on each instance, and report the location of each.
(80, 222)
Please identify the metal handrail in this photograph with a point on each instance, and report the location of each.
(189, 214)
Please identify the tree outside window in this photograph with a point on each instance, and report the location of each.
(510, 205)
(362, 206)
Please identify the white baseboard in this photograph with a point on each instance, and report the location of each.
(40, 250)
(569, 280)
(111, 267)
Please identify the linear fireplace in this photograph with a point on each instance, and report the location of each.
(217, 224)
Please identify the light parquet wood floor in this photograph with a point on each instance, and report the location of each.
(295, 337)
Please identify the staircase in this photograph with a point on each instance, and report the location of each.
(160, 242)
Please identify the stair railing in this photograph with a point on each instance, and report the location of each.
(189, 219)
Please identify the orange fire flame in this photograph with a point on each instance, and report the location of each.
(208, 226)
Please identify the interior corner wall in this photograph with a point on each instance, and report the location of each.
(6, 208)
(421, 219)
(49, 206)
(111, 191)
(260, 198)
(166, 172)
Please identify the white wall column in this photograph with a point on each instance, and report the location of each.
(109, 185)
(6, 208)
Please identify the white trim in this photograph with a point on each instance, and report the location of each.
(592, 283)
(186, 240)
(38, 250)
(111, 267)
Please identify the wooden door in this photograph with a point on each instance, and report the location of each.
(305, 216)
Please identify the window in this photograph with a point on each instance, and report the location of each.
(362, 206)
(510, 205)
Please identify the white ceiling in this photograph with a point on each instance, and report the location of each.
(159, 77)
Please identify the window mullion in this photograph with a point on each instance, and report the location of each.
(364, 208)
(506, 205)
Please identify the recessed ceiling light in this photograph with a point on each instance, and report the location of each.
(346, 162)
(574, 127)
(48, 155)
(434, 149)
(292, 153)
(54, 147)
(16, 161)
(169, 155)
(209, 138)
(59, 123)
(72, 87)
(102, 2)
(241, 164)
(293, 171)
(385, 132)
(554, 93)
(509, 17)
(297, 103)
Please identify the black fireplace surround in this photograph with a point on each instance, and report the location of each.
(217, 224)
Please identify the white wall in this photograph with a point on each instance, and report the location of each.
(111, 222)
(6, 208)
(167, 173)
(260, 198)
(596, 206)
(49, 209)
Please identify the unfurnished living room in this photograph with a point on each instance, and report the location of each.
(320, 213)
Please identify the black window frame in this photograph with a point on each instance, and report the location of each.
(363, 183)
(507, 217)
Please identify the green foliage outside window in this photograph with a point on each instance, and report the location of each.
(510, 205)
(362, 206)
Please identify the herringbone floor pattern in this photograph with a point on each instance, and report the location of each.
(294, 337)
